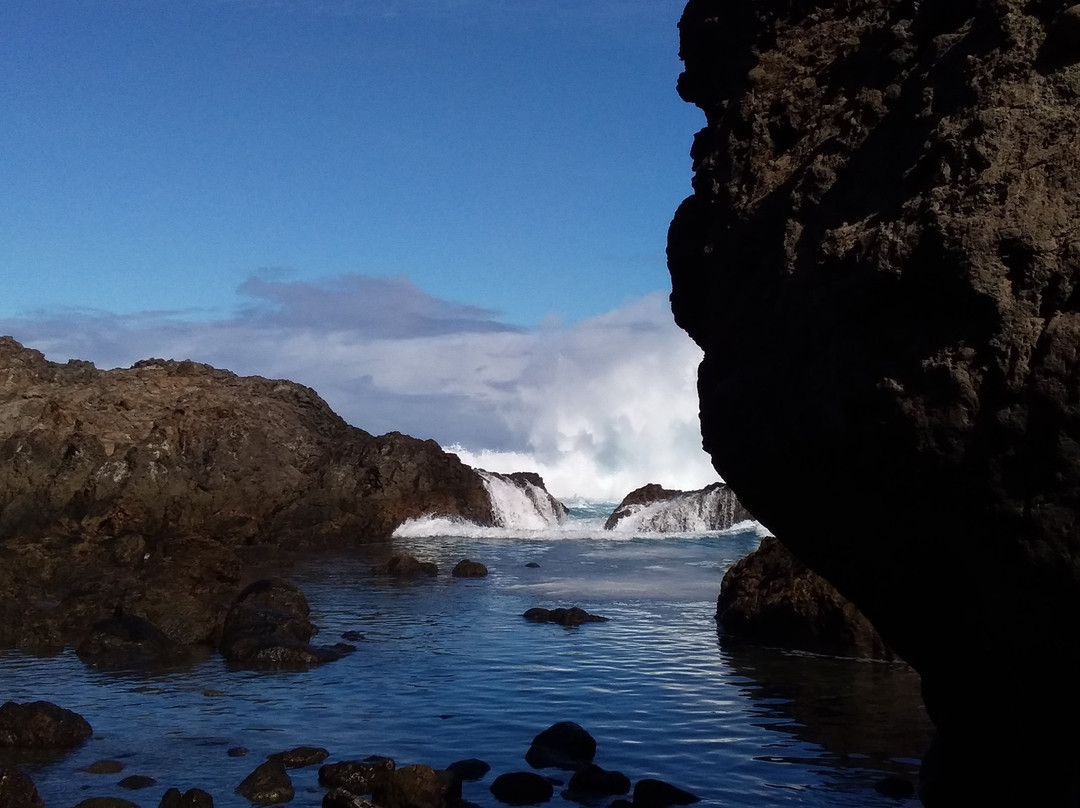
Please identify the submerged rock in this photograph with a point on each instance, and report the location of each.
(403, 565)
(879, 261)
(127, 641)
(572, 616)
(467, 568)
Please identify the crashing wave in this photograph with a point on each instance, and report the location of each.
(653, 509)
(520, 500)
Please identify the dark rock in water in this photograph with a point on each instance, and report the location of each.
(649, 793)
(563, 745)
(339, 798)
(268, 783)
(467, 568)
(591, 781)
(352, 636)
(879, 261)
(521, 788)
(653, 508)
(106, 802)
(899, 788)
(403, 565)
(469, 769)
(572, 616)
(127, 641)
(237, 751)
(772, 598)
(104, 767)
(416, 786)
(41, 725)
(356, 776)
(301, 756)
(192, 798)
(136, 781)
(532, 565)
(17, 790)
(268, 628)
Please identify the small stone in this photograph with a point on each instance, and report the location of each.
(137, 781)
(103, 767)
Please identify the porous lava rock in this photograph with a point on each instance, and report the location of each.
(41, 725)
(17, 790)
(140, 486)
(772, 598)
(653, 508)
(881, 263)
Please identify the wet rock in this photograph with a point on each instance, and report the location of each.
(237, 751)
(572, 616)
(137, 781)
(650, 793)
(268, 783)
(192, 798)
(128, 641)
(267, 627)
(339, 798)
(17, 790)
(532, 565)
(563, 745)
(301, 756)
(104, 767)
(41, 725)
(469, 769)
(521, 788)
(356, 776)
(416, 786)
(403, 565)
(772, 598)
(653, 508)
(467, 568)
(590, 782)
(352, 636)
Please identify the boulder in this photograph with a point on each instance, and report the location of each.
(41, 725)
(356, 776)
(772, 598)
(128, 641)
(655, 509)
(268, 783)
(521, 788)
(651, 793)
(403, 565)
(416, 786)
(467, 568)
(879, 261)
(590, 782)
(563, 745)
(134, 782)
(192, 798)
(17, 790)
(301, 756)
(572, 616)
(469, 768)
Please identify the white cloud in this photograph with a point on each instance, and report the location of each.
(597, 407)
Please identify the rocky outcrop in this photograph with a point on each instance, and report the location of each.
(169, 448)
(655, 509)
(41, 725)
(564, 616)
(146, 487)
(772, 598)
(521, 500)
(881, 262)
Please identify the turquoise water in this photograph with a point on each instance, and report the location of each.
(448, 669)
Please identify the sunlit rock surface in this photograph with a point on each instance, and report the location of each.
(880, 260)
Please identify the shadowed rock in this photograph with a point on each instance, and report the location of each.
(880, 262)
(563, 745)
(521, 788)
(268, 783)
(17, 790)
(467, 568)
(41, 725)
(403, 565)
(572, 616)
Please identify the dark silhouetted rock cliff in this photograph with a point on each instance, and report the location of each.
(881, 260)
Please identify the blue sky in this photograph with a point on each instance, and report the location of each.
(286, 187)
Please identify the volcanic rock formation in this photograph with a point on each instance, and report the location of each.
(881, 260)
(653, 508)
(140, 486)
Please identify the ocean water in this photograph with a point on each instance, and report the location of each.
(448, 669)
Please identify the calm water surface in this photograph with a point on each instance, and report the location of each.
(448, 669)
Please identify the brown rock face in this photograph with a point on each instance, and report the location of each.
(174, 448)
(881, 262)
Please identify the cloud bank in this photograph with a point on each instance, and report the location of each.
(598, 407)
